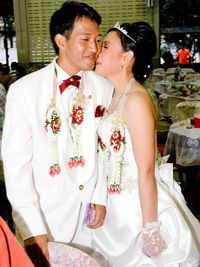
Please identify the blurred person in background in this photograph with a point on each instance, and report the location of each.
(183, 55)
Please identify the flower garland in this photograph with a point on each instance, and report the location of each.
(75, 124)
(117, 147)
(116, 140)
(53, 128)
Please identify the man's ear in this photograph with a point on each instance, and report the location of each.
(60, 40)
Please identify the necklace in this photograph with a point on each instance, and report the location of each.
(115, 100)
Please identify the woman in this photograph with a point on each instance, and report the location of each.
(147, 221)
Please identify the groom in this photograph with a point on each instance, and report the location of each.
(49, 138)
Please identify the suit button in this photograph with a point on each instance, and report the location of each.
(81, 187)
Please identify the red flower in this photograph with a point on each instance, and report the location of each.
(102, 145)
(100, 110)
(116, 140)
(77, 115)
(117, 147)
(116, 135)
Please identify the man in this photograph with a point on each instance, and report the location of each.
(50, 130)
(183, 55)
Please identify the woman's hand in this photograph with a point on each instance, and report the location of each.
(153, 243)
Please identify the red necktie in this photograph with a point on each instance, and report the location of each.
(73, 80)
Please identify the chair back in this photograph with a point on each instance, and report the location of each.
(170, 71)
(186, 109)
(187, 71)
(172, 102)
(158, 74)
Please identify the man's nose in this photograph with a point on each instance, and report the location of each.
(94, 46)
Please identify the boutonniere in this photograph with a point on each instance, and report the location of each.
(100, 110)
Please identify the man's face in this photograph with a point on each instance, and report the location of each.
(81, 50)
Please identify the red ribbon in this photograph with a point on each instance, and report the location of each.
(73, 80)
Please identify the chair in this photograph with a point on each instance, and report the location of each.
(162, 86)
(172, 102)
(187, 71)
(170, 71)
(186, 109)
(180, 170)
(158, 74)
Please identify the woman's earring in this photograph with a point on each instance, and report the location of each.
(122, 66)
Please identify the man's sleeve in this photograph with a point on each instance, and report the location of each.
(17, 157)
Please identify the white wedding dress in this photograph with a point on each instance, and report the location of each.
(119, 239)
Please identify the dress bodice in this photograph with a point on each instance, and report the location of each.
(116, 146)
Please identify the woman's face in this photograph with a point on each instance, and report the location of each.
(109, 61)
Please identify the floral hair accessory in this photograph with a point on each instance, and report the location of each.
(121, 29)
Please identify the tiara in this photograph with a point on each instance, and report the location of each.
(121, 29)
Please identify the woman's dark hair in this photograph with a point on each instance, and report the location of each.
(62, 20)
(144, 47)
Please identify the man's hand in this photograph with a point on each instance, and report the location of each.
(100, 213)
(37, 250)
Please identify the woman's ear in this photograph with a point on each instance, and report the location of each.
(60, 40)
(128, 57)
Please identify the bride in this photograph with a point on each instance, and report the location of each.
(147, 221)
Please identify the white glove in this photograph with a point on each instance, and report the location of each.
(153, 243)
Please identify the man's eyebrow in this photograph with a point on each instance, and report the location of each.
(87, 33)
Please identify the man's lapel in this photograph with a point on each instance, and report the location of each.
(64, 140)
(88, 133)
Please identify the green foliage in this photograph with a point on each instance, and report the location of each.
(7, 18)
(179, 13)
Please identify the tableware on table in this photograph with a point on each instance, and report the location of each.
(196, 120)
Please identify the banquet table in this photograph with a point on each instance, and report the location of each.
(170, 93)
(183, 144)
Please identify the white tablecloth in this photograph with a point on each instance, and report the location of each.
(184, 143)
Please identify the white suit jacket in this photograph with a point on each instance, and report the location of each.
(41, 203)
